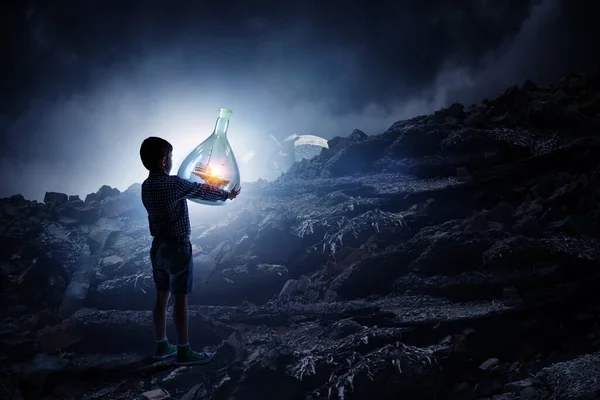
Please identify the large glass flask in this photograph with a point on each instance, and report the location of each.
(213, 161)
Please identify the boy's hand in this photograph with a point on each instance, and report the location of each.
(234, 192)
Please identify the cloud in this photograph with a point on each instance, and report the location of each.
(548, 45)
(304, 71)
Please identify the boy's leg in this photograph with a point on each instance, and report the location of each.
(180, 318)
(162, 282)
(159, 311)
(182, 277)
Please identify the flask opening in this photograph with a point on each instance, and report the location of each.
(225, 113)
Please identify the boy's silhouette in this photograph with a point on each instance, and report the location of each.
(164, 197)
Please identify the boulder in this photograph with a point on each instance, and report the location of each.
(274, 241)
(106, 191)
(357, 135)
(44, 283)
(91, 197)
(450, 253)
(572, 379)
(371, 275)
(56, 198)
(81, 212)
(529, 86)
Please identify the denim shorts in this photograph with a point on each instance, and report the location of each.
(172, 265)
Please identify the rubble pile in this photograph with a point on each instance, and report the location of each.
(453, 256)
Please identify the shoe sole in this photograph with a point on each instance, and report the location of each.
(164, 356)
(184, 363)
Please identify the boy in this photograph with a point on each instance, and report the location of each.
(164, 197)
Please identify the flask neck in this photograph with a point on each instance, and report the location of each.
(221, 127)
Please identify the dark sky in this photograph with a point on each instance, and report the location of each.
(85, 81)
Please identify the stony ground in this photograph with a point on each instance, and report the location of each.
(454, 256)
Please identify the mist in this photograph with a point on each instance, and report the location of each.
(86, 116)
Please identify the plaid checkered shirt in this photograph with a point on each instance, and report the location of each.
(164, 197)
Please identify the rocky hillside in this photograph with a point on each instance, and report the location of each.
(453, 256)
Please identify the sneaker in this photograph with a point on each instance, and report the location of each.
(187, 356)
(164, 350)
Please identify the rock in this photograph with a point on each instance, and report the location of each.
(573, 195)
(251, 282)
(570, 225)
(18, 348)
(330, 296)
(462, 171)
(505, 396)
(572, 379)
(295, 286)
(517, 387)
(44, 283)
(135, 189)
(122, 205)
(236, 342)
(57, 338)
(502, 212)
(531, 208)
(529, 86)
(490, 364)
(112, 260)
(356, 157)
(454, 111)
(290, 287)
(44, 363)
(416, 142)
(357, 135)
(506, 120)
(80, 213)
(560, 97)
(529, 393)
(46, 318)
(312, 295)
(106, 191)
(84, 270)
(56, 198)
(370, 275)
(592, 107)
(136, 289)
(275, 242)
(542, 190)
(17, 199)
(476, 120)
(36, 372)
(468, 140)
(10, 210)
(451, 252)
(514, 252)
(17, 311)
(528, 226)
(91, 197)
(156, 394)
(74, 197)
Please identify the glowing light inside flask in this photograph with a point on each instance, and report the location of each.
(216, 170)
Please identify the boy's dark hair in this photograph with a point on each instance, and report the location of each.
(152, 151)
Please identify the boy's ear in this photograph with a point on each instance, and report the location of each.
(163, 162)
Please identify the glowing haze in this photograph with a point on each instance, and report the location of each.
(80, 97)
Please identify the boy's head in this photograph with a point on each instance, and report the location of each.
(157, 154)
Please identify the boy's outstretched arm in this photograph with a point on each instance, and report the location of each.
(192, 190)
